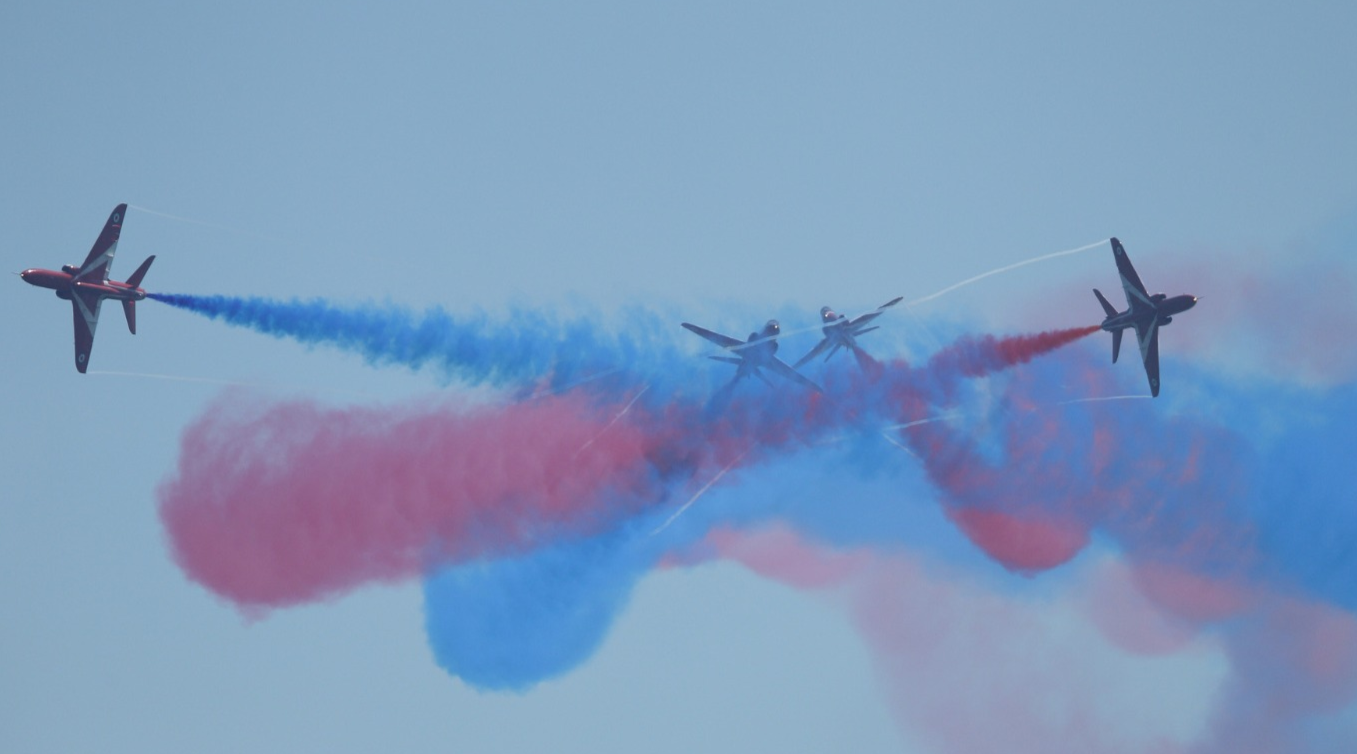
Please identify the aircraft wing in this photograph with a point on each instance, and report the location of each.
(95, 268)
(724, 341)
(1136, 296)
(863, 319)
(85, 310)
(782, 368)
(1149, 353)
(816, 351)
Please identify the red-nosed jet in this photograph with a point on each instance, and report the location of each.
(755, 354)
(842, 332)
(88, 285)
(1146, 314)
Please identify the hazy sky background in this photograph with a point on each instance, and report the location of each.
(715, 161)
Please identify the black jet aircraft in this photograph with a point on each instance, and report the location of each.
(1146, 314)
(842, 332)
(88, 285)
(754, 355)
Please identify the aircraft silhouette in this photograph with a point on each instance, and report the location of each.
(1146, 314)
(88, 285)
(842, 332)
(752, 356)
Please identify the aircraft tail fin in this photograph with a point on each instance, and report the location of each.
(130, 309)
(1107, 305)
(1116, 344)
(135, 280)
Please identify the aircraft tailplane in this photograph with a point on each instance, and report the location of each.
(135, 280)
(1107, 305)
(1116, 344)
(130, 309)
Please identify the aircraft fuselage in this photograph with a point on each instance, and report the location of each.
(64, 283)
(838, 330)
(1162, 308)
(761, 347)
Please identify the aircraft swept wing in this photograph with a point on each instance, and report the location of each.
(1136, 296)
(724, 341)
(783, 368)
(85, 310)
(1148, 337)
(100, 258)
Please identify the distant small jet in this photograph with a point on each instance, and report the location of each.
(87, 286)
(1146, 314)
(755, 354)
(842, 332)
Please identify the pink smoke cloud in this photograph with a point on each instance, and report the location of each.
(966, 669)
(295, 502)
(969, 669)
(1294, 322)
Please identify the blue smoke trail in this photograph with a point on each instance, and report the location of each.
(523, 347)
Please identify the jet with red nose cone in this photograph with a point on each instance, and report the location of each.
(88, 285)
(1145, 314)
(752, 356)
(842, 332)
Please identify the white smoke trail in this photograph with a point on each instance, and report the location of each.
(1001, 270)
(203, 223)
(929, 420)
(909, 306)
(1106, 398)
(683, 508)
(230, 383)
(610, 424)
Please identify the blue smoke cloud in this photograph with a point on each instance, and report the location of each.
(1179, 488)
(511, 623)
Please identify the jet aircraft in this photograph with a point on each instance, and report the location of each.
(1146, 314)
(842, 332)
(755, 354)
(88, 285)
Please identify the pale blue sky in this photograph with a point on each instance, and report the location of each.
(705, 158)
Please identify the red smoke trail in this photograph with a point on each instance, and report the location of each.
(975, 357)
